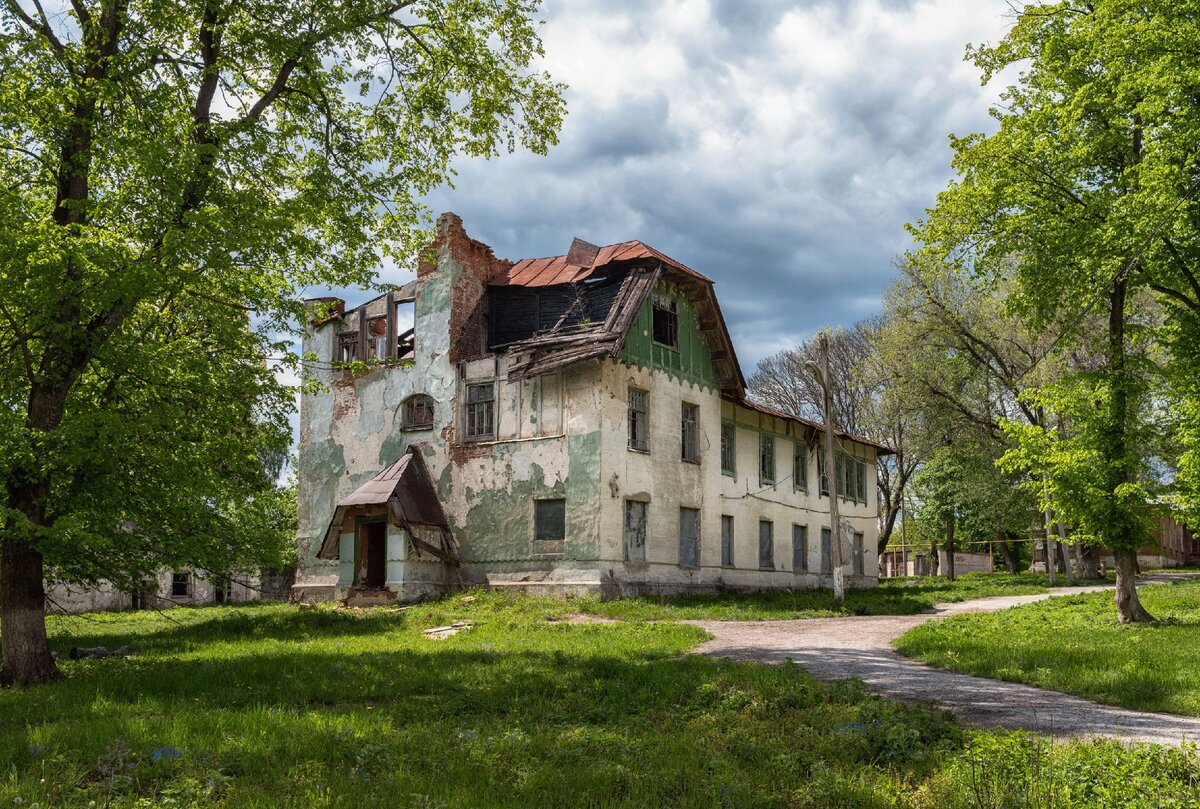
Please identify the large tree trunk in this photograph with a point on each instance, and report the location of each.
(1129, 607)
(1006, 553)
(26, 656)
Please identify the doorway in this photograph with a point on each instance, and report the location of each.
(372, 555)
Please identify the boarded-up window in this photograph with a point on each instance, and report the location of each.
(635, 531)
(726, 540)
(639, 420)
(800, 548)
(826, 551)
(418, 412)
(690, 430)
(728, 448)
(766, 544)
(689, 537)
(858, 554)
(799, 466)
(666, 322)
(766, 459)
(181, 584)
(481, 411)
(549, 520)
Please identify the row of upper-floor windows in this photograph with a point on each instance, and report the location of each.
(637, 520)
(851, 472)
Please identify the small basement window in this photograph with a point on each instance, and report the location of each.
(666, 322)
(481, 411)
(418, 412)
(550, 520)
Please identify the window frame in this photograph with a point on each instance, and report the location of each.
(469, 412)
(826, 550)
(543, 502)
(407, 422)
(765, 439)
(689, 428)
(696, 539)
(645, 529)
(858, 551)
(181, 580)
(727, 535)
(633, 419)
(799, 548)
(729, 448)
(669, 306)
(799, 464)
(769, 556)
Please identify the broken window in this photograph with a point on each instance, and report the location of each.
(826, 551)
(728, 449)
(418, 412)
(639, 420)
(766, 544)
(377, 341)
(800, 466)
(348, 347)
(690, 430)
(800, 548)
(550, 520)
(181, 584)
(481, 411)
(405, 330)
(635, 531)
(726, 540)
(766, 459)
(857, 550)
(666, 322)
(689, 537)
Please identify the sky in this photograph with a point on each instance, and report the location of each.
(776, 146)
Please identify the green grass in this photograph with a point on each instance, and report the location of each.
(904, 596)
(265, 706)
(1074, 644)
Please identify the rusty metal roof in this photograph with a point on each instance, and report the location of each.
(541, 272)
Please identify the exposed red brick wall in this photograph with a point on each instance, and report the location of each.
(468, 299)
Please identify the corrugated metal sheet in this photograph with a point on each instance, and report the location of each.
(540, 272)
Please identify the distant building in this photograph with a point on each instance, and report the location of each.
(572, 424)
(170, 588)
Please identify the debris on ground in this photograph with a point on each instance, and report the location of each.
(446, 631)
(99, 652)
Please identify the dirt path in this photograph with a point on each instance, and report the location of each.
(838, 648)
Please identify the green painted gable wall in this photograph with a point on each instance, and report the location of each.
(690, 362)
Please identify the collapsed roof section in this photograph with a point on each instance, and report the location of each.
(557, 311)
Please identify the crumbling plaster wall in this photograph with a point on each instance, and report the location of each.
(667, 483)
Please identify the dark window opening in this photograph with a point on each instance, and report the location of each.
(372, 555)
(635, 531)
(550, 520)
(639, 420)
(766, 544)
(418, 412)
(481, 411)
(728, 449)
(800, 548)
(766, 459)
(347, 347)
(377, 341)
(726, 540)
(181, 584)
(666, 322)
(689, 537)
(858, 554)
(690, 430)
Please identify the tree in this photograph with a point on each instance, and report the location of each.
(864, 403)
(1084, 196)
(171, 175)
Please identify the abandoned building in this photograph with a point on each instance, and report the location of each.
(574, 424)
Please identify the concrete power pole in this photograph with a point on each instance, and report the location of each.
(835, 523)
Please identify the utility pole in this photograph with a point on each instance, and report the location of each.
(835, 524)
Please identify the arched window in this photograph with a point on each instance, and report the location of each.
(418, 412)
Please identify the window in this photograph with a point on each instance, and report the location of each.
(181, 584)
(418, 412)
(690, 430)
(550, 520)
(766, 544)
(728, 449)
(800, 548)
(858, 553)
(766, 459)
(726, 540)
(826, 551)
(689, 537)
(635, 531)
(821, 476)
(800, 466)
(481, 411)
(377, 337)
(860, 473)
(639, 420)
(839, 469)
(347, 347)
(666, 322)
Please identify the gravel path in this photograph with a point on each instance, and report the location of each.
(860, 647)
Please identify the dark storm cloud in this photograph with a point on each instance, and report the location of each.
(777, 147)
